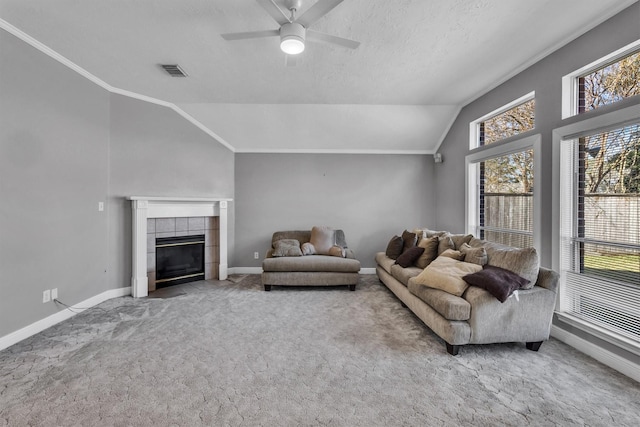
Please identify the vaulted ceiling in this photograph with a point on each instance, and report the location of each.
(419, 61)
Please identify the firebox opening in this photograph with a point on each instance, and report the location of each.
(179, 260)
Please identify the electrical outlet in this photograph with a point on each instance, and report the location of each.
(256, 255)
(54, 293)
(46, 296)
(100, 206)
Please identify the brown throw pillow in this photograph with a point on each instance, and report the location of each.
(394, 248)
(409, 240)
(497, 281)
(430, 245)
(409, 256)
(453, 254)
(337, 251)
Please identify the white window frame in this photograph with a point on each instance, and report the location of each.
(570, 81)
(472, 167)
(600, 123)
(474, 126)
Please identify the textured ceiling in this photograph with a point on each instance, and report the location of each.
(422, 57)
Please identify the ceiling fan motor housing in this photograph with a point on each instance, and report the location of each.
(292, 37)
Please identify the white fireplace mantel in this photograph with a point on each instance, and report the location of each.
(168, 207)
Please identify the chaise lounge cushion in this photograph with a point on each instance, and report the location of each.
(312, 263)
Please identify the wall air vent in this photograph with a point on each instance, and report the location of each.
(174, 70)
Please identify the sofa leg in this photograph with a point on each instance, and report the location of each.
(352, 287)
(453, 349)
(267, 288)
(534, 346)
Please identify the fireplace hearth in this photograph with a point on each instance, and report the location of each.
(179, 260)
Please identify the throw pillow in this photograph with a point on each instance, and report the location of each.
(308, 249)
(497, 281)
(451, 253)
(286, 247)
(444, 243)
(337, 251)
(474, 255)
(394, 248)
(523, 262)
(446, 274)
(460, 239)
(430, 245)
(409, 240)
(322, 238)
(408, 257)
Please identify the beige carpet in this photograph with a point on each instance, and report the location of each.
(225, 353)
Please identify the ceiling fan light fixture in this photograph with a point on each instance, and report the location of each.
(292, 37)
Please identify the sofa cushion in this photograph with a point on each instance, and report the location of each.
(446, 274)
(449, 306)
(430, 245)
(403, 275)
(322, 238)
(301, 236)
(394, 247)
(497, 281)
(307, 248)
(409, 240)
(286, 247)
(474, 255)
(325, 263)
(524, 262)
(337, 251)
(445, 242)
(453, 254)
(409, 256)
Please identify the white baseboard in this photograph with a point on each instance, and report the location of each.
(47, 322)
(245, 270)
(620, 364)
(258, 270)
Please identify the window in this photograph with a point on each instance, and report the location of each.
(600, 230)
(510, 120)
(502, 205)
(603, 82)
(609, 84)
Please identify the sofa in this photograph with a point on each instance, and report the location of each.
(512, 298)
(294, 259)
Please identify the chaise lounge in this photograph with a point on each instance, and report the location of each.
(331, 264)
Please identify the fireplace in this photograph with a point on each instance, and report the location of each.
(179, 260)
(154, 217)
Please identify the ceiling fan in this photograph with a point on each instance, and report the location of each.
(294, 31)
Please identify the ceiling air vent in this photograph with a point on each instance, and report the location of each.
(174, 70)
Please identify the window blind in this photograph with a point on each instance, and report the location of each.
(600, 230)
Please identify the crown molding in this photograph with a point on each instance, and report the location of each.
(106, 86)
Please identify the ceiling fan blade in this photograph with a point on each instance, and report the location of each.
(276, 13)
(250, 35)
(328, 38)
(317, 11)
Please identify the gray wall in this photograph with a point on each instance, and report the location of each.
(156, 152)
(65, 145)
(54, 135)
(545, 77)
(371, 197)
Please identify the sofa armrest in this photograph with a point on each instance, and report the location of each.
(269, 253)
(548, 279)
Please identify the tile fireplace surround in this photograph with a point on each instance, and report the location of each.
(144, 208)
